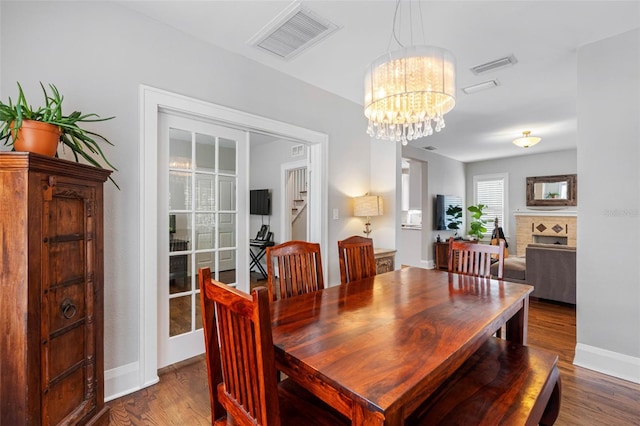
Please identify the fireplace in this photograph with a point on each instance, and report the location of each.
(549, 239)
(548, 228)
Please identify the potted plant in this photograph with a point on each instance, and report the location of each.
(477, 223)
(454, 216)
(19, 119)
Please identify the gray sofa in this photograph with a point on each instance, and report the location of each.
(549, 268)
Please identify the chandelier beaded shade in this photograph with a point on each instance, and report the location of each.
(408, 92)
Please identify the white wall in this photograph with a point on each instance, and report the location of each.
(444, 176)
(608, 297)
(266, 160)
(98, 53)
(518, 169)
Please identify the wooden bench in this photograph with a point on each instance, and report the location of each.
(502, 383)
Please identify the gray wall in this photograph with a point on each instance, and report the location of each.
(609, 212)
(444, 176)
(98, 53)
(266, 160)
(518, 169)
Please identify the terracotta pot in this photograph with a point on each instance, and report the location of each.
(36, 136)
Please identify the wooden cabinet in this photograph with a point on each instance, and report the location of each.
(385, 260)
(442, 255)
(51, 298)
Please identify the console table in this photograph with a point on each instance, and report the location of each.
(385, 260)
(442, 255)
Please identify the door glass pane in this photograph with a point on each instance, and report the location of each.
(205, 192)
(205, 152)
(179, 231)
(227, 260)
(198, 312)
(227, 193)
(205, 231)
(227, 153)
(227, 230)
(179, 149)
(179, 191)
(227, 277)
(179, 315)
(205, 260)
(179, 276)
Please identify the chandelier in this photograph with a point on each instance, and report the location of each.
(526, 141)
(408, 92)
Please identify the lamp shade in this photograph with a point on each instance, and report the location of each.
(367, 205)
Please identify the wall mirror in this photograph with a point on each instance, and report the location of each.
(560, 190)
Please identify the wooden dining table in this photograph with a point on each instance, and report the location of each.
(375, 349)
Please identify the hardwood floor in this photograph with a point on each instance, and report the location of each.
(588, 398)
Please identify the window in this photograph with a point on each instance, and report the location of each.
(491, 190)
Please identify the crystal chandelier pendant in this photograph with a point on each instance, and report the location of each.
(408, 90)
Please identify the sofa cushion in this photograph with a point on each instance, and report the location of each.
(514, 268)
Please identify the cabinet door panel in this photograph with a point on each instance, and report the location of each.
(69, 368)
(66, 351)
(66, 306)
(65, 398)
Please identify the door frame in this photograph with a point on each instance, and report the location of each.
(152, 100)
(285, 222)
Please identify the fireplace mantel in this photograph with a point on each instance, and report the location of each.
(554, 227)
(545, 213)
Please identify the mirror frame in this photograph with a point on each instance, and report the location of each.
(572, 194)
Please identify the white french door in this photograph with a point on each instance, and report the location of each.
(198, 221)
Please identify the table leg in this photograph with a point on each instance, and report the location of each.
(517, 325)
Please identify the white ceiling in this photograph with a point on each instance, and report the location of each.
(536, 94)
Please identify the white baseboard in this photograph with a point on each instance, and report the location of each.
(124, 380)
(425, 264)
(607, 362)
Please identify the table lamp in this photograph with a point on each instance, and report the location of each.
(367, 206)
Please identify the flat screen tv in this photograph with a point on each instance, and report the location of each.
(260, 201)
(448, 213)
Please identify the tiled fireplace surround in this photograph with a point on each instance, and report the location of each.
(545, 227)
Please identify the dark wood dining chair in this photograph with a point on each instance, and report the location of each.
(357, 260)
(299, 269)
(240, 356)
(475, 258)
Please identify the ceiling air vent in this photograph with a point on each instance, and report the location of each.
(292, 31)
(494, 65)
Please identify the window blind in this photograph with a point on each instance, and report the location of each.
(490, 191)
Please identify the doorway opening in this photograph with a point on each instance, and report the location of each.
(144, 372)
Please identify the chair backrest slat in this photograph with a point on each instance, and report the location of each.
(357, 259)
(240, 354)
(475, 258)
(299, 269)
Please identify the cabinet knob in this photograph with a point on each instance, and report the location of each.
(68, 309)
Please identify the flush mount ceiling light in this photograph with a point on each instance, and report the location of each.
(526, 141)
(407, 91)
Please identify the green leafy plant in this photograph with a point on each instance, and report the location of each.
(477, 222)
(83, 143)
(454, 214)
